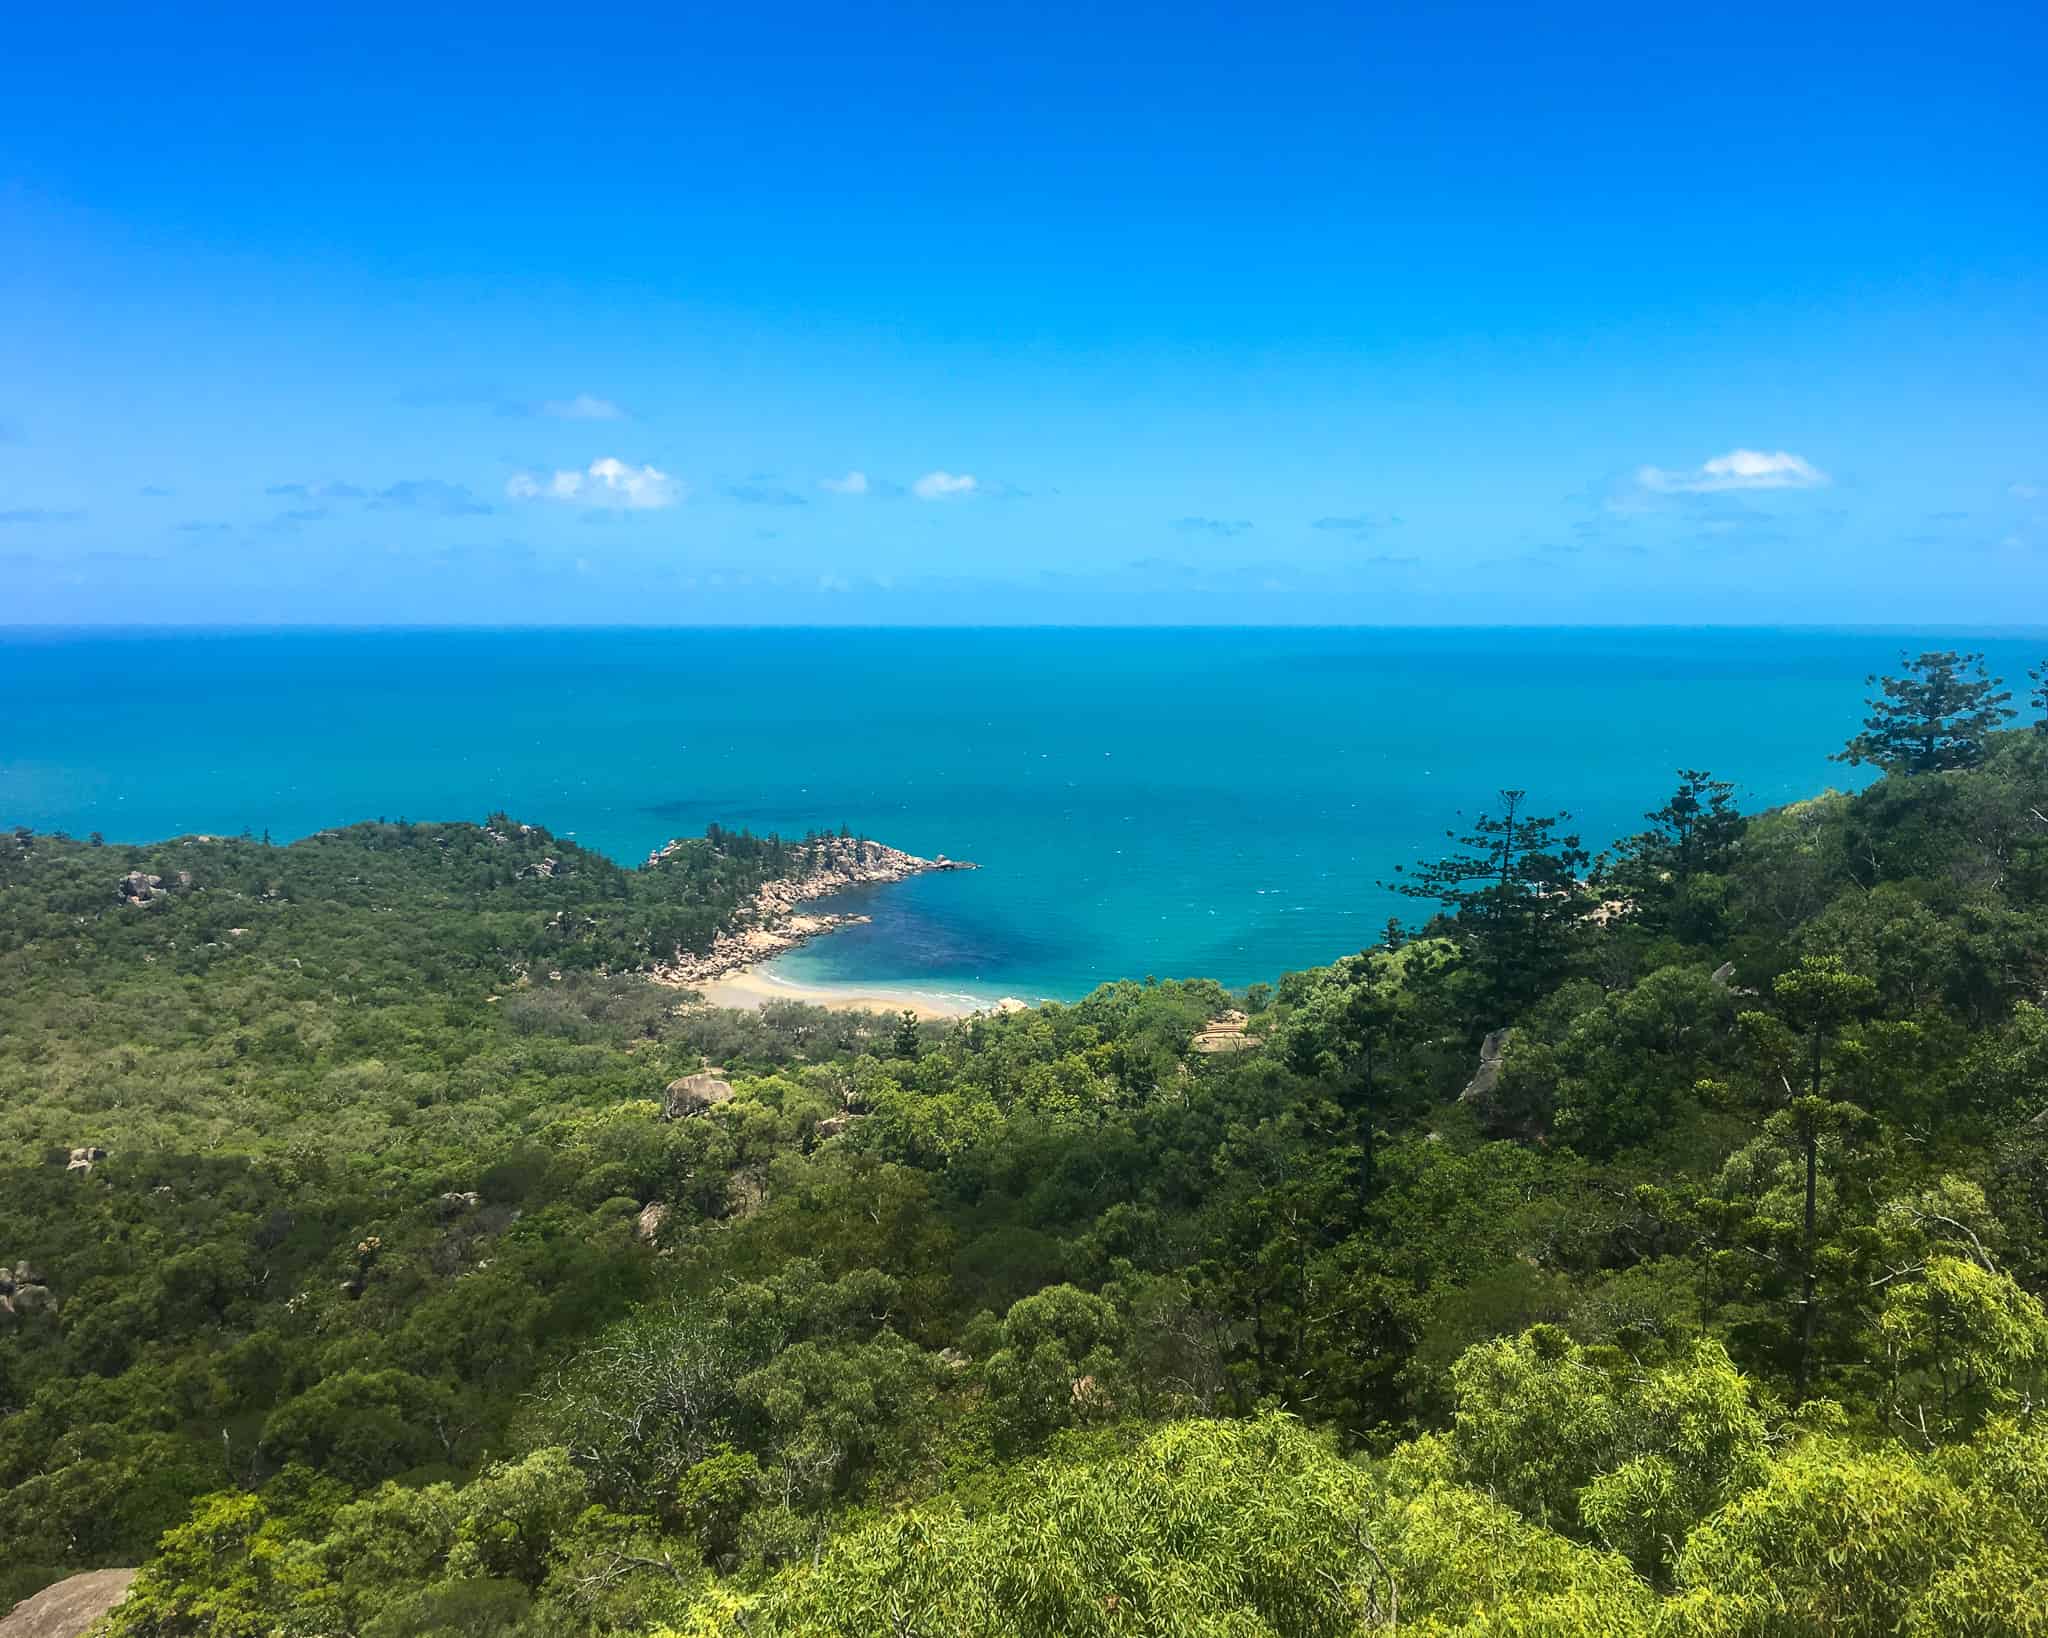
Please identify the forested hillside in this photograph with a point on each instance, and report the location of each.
(1651, 1242)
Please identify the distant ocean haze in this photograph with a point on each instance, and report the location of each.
(1176, 802)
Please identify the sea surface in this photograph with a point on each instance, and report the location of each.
(1170, 802)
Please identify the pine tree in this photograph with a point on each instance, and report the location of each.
(1692, 835)
(909, 1039)
(1514, 892)
(1933, 719)
(1815, 999)
(1697, 829)
(2038, 699)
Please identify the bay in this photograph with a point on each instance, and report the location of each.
(1179, 802)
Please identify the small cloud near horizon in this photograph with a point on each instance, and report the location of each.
(1738, 469)
(606, 482)
(1362, 523)
(942, 485)
(154, 491)
(854, 483)
(448, 500)
(583, 407)
(38, 514)
(763, 494)
(316, 491)
(1221, 528)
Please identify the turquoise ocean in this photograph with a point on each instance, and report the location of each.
(1182, 802)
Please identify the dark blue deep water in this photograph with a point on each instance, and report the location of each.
(1179, 802)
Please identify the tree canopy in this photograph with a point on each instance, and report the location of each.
(1643, 1244)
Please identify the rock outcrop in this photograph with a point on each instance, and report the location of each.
(695, 1095)
(1224, 1033)
(67, 1608)
(648, 1224)
(83, 1159)
(1485, 1079)
(744, 1193)
(24, 1289)
(774, 922)
(143, 889)
(1723, 977)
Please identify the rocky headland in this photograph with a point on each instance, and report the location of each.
(774, 920)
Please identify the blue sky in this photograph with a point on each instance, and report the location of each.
(1078, 313)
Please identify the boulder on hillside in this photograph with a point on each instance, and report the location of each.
(82, 1158)
(744, 1193)
(695, 1094)
(139, 887)
(33, 1299)
(1224, 1033)
(24, 1289)
(1485, 1079)
(67, 1608)
(648, 1224)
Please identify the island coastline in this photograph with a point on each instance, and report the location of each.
(752, 987)
(732, 973)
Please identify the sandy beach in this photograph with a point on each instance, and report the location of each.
(749, 987)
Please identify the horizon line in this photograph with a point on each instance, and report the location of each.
(11, 631)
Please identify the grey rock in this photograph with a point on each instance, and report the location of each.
(67, 1608)
(648, 1224)
(140, 888)
(694, 1095)
(33, 1299)
(744, 1193)
(1486, 1078)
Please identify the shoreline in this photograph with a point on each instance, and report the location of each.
(774, 924)
(749, 988)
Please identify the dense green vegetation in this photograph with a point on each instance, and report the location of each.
(1644, 1243)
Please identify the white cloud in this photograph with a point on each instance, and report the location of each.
(939, 485)
(1738, 469)
(583, 407)
(606, 482)
(2024, 491)
(854, 483)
